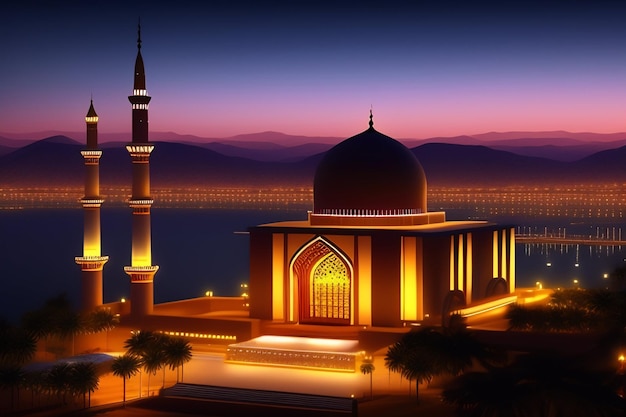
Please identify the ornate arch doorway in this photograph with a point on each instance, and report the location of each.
(323, 278)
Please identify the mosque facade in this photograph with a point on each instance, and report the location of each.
(370, 252)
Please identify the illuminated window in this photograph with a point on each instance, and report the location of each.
(324, 285)
(330, 290)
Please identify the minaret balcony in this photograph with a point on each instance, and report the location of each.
(91, 202)
(140, 203)
(91, 153)
(140, 150)
(141, 273)
(91, 263)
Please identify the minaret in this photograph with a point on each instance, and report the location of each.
(141, 270)
(91, 262)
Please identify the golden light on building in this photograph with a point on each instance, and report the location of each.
(92, 261)
(370, 254)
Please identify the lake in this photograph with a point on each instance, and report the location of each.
(199, 250)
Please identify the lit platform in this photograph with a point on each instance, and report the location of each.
(300, 352)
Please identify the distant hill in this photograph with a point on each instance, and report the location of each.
(276, 146)
(57, 161)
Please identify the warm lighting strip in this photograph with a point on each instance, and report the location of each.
(139, 149)
(495, 255)
(339, 362)
(140, 203)
(147, 268)
(512, 261)
(469, 275)
(451, 268)
(364, 280)
(486, 307)
(91, 202)
(200, 335)
(408, 290)
(91, 119)
(140, 92)
(503, 253)
(368, 212)
(91, 153)
(140, 106)
(300, 352)
(278, 262)
(91, 263)
(460, 266)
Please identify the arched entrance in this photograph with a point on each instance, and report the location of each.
(323, 277)
(496, 286)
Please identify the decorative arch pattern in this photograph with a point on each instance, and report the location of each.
(324, 281)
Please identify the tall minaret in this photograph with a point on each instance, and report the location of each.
(141, 270)
(91, 262)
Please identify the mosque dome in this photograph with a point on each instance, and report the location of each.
(369, 174)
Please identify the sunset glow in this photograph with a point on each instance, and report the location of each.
(315, 68)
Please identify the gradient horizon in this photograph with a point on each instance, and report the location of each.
(316, 68)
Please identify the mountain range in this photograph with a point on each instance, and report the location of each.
(56, 160)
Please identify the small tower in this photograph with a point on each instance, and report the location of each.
(91, 262)
(141, 270)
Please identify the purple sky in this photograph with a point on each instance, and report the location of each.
(315, 68)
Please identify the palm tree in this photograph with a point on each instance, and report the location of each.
(11, 377)
(57, 380)
(17, 346)
(38, 324)
(126, 366)
(140, 342)
(102, 320)
(367, 368)
(69, 324)
(536, 385)
(152, 360)
(177, 353)
(412, 357)
(459, 349)
(83, 379)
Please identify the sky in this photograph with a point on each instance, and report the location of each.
(315, 68)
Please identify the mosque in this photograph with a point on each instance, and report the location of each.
(369, 262)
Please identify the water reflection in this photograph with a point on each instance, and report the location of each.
(198, 250)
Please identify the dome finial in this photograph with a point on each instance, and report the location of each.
(139, 33)
(371, 119)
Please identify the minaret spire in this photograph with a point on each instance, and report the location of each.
(139, 34)
(371, 119)
(141, 270)
(92, 261)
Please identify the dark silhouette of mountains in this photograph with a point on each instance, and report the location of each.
(276, 146)
(57, 161)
